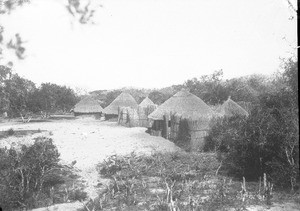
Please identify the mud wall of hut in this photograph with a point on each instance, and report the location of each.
(169, 128)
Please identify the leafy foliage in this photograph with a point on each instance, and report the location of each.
(10, 132)
(158, 97)
(110, 96)
(20, 97)
(141, 182)
(171, 181)
(267, 141)
(209, 88)
(18, 91)
(32, 177)
(81, 10)
(51, 98)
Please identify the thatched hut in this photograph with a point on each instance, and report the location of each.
(230, 108)
(146, 102)
(135, 117)
(145, 108)
(123, 100)
(183, 106)
(88, 106)
(128, 117)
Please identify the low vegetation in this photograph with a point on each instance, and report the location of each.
(174, 181)
(17, 133)
(33, 177)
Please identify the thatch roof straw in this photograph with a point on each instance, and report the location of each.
(146, 102)
(245, 105)
(88, 105)
(230, 108)
(123, 100)
(186, 105)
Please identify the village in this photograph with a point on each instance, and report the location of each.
(181, 126)
(149, 105)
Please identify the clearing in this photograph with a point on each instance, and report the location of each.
(88, 142)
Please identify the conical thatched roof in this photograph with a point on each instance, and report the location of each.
(146, 102)
(230, 108)
(88, 105)
(185, 104)
(123, 100)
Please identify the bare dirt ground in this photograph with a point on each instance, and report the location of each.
(88, 141)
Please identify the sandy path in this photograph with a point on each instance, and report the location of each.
(90, 141)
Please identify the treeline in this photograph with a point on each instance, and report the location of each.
(21, 97)
(212, 89)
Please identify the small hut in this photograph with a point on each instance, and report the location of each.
(230, 108)
(123, 100)
(128, 117)
(146, 107)
(136, 117)
(88, 106)
(146, 102)
(182, 106)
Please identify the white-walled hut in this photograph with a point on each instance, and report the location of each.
(88, 106)
(183, 105)
(123, 100)
(230, 108)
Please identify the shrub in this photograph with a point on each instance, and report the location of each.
(10, 132)
(31, 177)
(267, 141)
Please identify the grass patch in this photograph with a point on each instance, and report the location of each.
(62, 117)
(18, 133)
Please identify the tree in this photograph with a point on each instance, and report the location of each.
(18, 90)
(158, 97)
(52, 98)
(66, 99)
(209, 88)
(290, 77)
(110, 96)
(5, 74)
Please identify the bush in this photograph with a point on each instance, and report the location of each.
(266, 142)
(10, 132)
(31, 177)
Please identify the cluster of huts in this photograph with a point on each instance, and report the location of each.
(163, 120)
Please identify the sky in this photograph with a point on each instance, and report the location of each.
(151, 43)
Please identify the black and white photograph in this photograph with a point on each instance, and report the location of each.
(149, 105)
